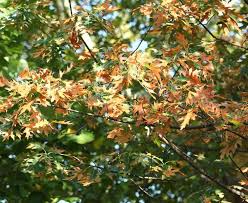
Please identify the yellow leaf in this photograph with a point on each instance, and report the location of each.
(71, 131)
(244, 182)
(62, 122)
(244, 169)
(26, 107)
(189, 116)
(165, 2)
(146, 9)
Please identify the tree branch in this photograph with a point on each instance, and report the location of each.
(143, 38)
(199, 170)
(70, 7)
(142, 189)
(235, 133)
(206, 149)
(212, 35)
(81, 38)
(236, 165)
(220, 39)
(122, 173)
(175, 127)
(87, 47)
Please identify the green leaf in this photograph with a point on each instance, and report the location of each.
(34, 145)
(83, 138)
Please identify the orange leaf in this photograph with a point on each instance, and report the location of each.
(25, 74)
(107, 7)
(146, 9)
(3, 81)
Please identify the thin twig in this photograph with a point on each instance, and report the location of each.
(175, 127)
(91, 53)
(210, 19)
(143, 38)
(235, 133)
(70, 7)
(236, 165)
(204, 174)
(142, 189)
(206, 149)
(81, 38)
(220, 39)
(215, 37)
(124, 174)
(175, 73)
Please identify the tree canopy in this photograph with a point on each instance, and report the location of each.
(123, 101)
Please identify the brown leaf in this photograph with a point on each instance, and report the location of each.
(120, 135)
(230, 144)
(206, 200)
(74, 40)
(182, 40)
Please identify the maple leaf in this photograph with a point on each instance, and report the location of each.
(159, 18)
(74, 40)
(120, 135)
(8, 134)
(182, 40)
(171, 51)
(206, 200)
(189, 116)
(244, 182)
(171, 171)
(152, 119)
(229, 144)
(27, 132)
(156, 71)
(25, 74)
(7, 104)
(26, 107)
(146, 9)
(107, 7)
(165, 2)
(85, 181)
(140, 107)
(3, 81)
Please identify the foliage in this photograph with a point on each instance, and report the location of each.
(123, 101)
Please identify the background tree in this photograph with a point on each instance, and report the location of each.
(123, 101)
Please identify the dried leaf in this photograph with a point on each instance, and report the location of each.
(189, 116)
(120, 135)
